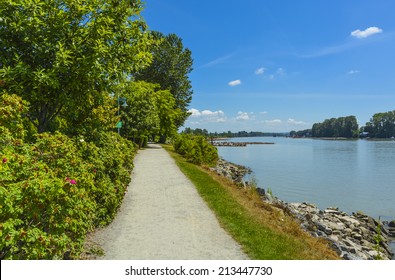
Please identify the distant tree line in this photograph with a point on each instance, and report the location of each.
(346, 127)
(381, 125)
(301, 133)
(230, 134)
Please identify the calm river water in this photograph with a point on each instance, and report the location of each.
(352, 175)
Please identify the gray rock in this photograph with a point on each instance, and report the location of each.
(261, 192)
(351, 257)
(357, 236)
(351, 236)
(324, 228)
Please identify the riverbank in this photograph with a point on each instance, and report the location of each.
(262, 230)
(355, 236)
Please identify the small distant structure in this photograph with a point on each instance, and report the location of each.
(364, 135)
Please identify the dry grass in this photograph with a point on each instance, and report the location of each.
(275, 219)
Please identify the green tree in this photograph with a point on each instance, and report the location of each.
(381, 125)
(63, 56)
(140, 117)
(336, 127)
(170, 68)
(168, 114)
(150, 111)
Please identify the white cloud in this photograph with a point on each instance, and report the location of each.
(352, 72)
(295, 122)
(366, 33)
(242, 116)
(234, 83)
(211, 113)
(194, 112)
(207, 115)
(260, 71)
(263, 113)
(273, 122)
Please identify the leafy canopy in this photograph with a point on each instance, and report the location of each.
(150, 110)
(64, 56)
(170, 68)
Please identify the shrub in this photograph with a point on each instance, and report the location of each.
(195, 149)
(56, 189)
(46, 207)
(111, 161)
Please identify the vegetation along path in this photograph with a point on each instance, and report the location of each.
(163, 217)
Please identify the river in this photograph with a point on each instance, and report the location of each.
(352, 175)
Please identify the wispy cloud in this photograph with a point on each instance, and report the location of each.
(366, 33)
(280, 71)
(331, 50)
(353, 72)
(272, 122)
(260, 71)
(335, 49)
(218, 61)
(234, 83)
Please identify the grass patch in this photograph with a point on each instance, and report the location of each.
(263, 231)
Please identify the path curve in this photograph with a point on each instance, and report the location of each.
(163, 217)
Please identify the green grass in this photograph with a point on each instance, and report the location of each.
(262, 231)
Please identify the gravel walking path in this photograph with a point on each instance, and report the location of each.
(163, 217)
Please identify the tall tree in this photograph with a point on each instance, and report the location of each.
(149, 112)
(381, 125)
(140, 117)
(170, 68)
(336, 127)
(63, 56)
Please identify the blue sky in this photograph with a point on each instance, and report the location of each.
(283, 65)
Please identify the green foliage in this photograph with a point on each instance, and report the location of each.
(230, 134)
(12, 110)
(170, 68)
(346, 127)
(149, 111)
(46, 208)
(110, 159)
(300, 133)
(378, 238)
(56, 189)
(168, 113)
(140, 117)
(381, 125)
(195, 149)
(64, 57)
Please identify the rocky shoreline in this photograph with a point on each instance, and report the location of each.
(231, 171)
(354, 237)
